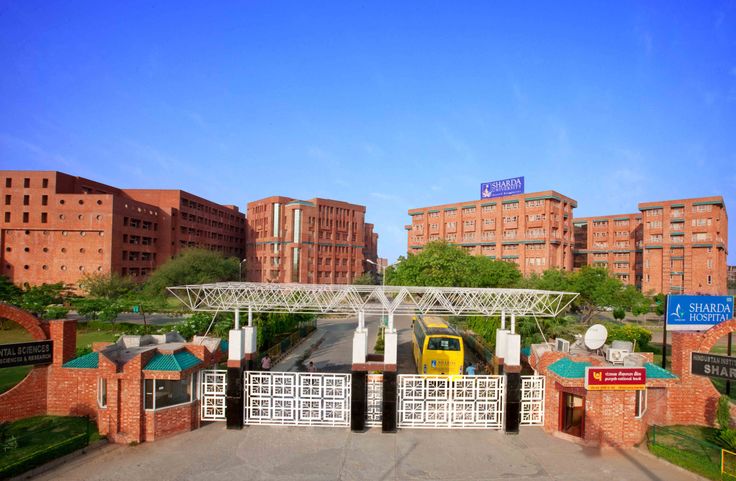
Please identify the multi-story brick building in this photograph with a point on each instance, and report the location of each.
(613, 242)
(319, 241)
(672, 247)
(532, 230)
(56, 227)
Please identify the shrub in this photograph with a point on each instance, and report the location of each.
(723, 413)
(629, 332)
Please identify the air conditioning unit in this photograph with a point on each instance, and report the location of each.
(562, 345)
(616, 356)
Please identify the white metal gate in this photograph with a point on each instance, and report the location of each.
(212, 388)
(532, 400)
(470, 402)
(297, 398)
(374, 411)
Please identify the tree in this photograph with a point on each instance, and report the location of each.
(193, 266)
(366, 279)
(9, 292)
(596, 288)
(107, 286)
(443, 265)
(36, 299)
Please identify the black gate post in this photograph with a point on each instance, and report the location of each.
(234, 398)
(513, 400)
(358, 400)
(389, 402)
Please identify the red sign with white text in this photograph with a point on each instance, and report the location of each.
(615, 378)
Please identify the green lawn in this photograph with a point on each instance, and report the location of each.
(30, 442)
(690, 447)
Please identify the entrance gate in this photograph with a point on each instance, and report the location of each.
(532, 400)
(467, 402)
(297, 398)
(374, 408)
(212, 388)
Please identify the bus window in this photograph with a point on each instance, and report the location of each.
(443, 344)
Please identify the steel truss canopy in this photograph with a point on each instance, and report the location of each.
(351, 299)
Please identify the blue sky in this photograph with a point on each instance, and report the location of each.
(393, 105)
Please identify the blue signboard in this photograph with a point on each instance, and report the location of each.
(500, 188)
(697, 313)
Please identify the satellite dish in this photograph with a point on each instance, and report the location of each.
(596, 336)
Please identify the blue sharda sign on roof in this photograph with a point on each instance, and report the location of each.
(500, 188)
(697, 313)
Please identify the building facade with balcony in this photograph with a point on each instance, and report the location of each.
(317, 241)
(533, 230)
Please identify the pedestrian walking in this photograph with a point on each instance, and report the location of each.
(266, 363)
(311, 367)
(470, 370)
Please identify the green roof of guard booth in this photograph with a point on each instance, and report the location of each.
(87, 361)
(179, 361)
(570, 369)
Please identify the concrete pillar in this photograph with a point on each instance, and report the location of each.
(237, 318)
(250, 316)
(513, 323)
(360, 346)
(241, 355)
(390, 345)
(500, 354)
(503, 320)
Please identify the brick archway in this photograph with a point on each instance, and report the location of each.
(38, 329)
(712, 335)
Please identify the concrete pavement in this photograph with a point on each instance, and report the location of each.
(214, 453)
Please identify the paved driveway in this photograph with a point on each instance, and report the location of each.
(213, 453)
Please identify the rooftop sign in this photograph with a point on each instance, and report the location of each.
(500, 188)
(697, 313)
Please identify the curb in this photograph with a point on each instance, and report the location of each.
(92, 451)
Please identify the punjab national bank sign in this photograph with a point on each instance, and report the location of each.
(500, 188)
(697, 313)
(26, 353)
(615, 378)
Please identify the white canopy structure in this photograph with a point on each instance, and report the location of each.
(354, 299)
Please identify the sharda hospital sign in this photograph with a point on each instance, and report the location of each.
(697, 313)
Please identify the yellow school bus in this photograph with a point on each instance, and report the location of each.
(438, 347)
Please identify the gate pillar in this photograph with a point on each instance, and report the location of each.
(512, 370)
(358, 400)
(388, 421)
(241, 356)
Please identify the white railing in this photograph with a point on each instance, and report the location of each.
(297, 398)
(374, 410)
(465, 402)
(532, 400)
(213, 384)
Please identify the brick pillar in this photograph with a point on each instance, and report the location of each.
(683, 343)
(64, 335)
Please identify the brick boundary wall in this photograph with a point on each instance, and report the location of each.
(29, 396)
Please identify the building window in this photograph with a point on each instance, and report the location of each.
(26, 182)
(102, 392)
(8, 182)
(45, 183)
(7, 217)
(161, 393)
(276, 218)
(25, 217)
(641, 403)
(44, 217)
(44, 200)
(297, 225)
(710, 280)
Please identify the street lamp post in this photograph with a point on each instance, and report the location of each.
(240, 270)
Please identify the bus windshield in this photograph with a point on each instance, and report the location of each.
(443, 344)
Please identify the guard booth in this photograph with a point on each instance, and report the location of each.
(243, 396)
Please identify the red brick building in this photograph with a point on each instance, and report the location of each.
(532, 230)
(671, 247)
(614, 242)
(56, 227)
(319, 241)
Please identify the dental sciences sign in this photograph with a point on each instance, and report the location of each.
(500, 188)
(697, 313)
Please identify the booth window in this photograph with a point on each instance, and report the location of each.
(162, 393)
(641, 403)
(102, 392)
